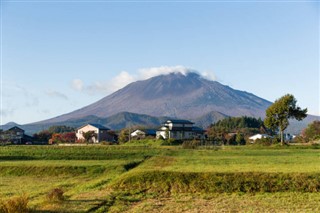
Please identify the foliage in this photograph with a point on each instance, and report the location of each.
(124, 135)
(42, 136)
(225, 131)
(61, 129)
(67, 137)
(264, 141)
(240, 139)
(15, 205)
(234, 123)
(89, 136)
(312, 132)
(279, 113)
(46, 135)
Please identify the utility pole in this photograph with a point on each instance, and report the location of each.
(129, 134)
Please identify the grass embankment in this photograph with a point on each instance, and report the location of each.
(169, 179)
(83, 173)
(267, 170)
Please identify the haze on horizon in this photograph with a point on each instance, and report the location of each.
(60, 56)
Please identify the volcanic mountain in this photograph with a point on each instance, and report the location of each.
(176, 95)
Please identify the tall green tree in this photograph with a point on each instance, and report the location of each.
(279, 113)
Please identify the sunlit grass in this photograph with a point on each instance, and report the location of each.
(87, 173)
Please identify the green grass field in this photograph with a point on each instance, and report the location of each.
(165, 179)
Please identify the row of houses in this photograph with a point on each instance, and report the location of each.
(171, 129)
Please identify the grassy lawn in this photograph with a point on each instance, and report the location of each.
(165, 179)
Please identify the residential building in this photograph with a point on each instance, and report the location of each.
(259, 136)
(15, 135)
(143, 133)
(179, 129)
(102, 133)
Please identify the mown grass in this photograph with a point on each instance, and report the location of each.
(168, 179)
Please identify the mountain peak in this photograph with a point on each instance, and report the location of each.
(184, 95)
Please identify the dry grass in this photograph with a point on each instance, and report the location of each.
(18, 204)
(277, 202)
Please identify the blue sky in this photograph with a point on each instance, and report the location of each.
(58, 56)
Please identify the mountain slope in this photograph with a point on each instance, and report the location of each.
(174, 95)
(208, 119)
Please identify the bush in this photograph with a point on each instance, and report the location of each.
(15, 204)
(55, 195)
(266, 141)
(190, 144)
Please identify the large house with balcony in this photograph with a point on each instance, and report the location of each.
(179, 130)
(102, 133)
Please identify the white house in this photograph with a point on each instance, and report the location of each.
(178, 129)
(143, 133)
(259, 136)
(101, 132)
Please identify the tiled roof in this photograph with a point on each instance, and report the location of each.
(99, 126)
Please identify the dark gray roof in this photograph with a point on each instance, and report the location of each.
(99, 126)
(150, 131)
(15, 128)
(176, 121)
(197, 129)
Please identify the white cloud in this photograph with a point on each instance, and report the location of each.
(146, 73)
(77, 84)
(209, 75)
(56, 94)
(124, 78)
(121, 80)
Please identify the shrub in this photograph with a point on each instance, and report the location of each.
(190, 144)
(55, 195)
(264, 141)
(15, 204)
